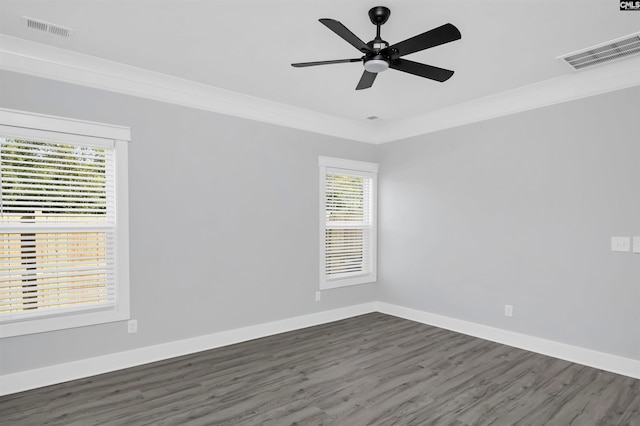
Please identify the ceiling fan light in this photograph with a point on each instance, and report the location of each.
(376, 65)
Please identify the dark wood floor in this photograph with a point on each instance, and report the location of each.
(373, 369)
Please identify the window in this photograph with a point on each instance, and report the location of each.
(63, 223)
(347, 222)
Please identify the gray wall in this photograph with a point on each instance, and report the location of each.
(223, 220)
(520, 210)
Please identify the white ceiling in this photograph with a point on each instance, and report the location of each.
(247, 46)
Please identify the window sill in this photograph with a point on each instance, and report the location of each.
(347, 281)
(60, 322)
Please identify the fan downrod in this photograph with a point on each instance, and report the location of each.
(379, 15)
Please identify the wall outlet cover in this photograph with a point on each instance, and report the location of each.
(508, 310)
(620, 243)
(636, 244)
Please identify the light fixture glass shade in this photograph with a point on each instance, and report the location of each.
(376, 65)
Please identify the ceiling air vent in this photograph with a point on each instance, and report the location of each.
(47, 27)
(603, 53)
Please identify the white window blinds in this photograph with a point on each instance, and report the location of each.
(57, 215)
(348, 224)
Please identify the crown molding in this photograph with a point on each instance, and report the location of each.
(50, 62)
(45, 61)
(569, 87)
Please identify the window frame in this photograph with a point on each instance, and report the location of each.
(354, 168)
(34, 126)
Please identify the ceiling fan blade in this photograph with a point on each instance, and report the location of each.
(435, 37)
(366, 80)
(422, 70)
(347, 35)
(335, 61)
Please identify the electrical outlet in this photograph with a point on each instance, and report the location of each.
(620, 243)
(318, 296)
(132, 326)
(636, 244)
(508, 310)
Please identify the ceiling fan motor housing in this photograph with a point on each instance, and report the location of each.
(381, 57)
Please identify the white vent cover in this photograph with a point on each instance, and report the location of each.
(604, 52)
(47, 27)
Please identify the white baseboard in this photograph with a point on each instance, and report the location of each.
(36, 378)
(603, 361)
(32, 379)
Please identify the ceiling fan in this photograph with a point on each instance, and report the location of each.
(379, 56)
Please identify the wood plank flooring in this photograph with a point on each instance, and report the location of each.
(373, 369)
